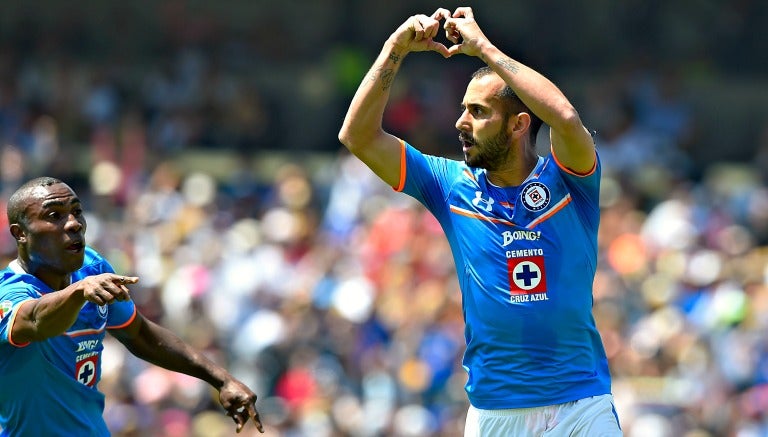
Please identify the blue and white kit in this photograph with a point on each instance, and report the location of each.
(525, 258)
(50, 387)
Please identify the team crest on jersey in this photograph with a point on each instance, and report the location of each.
(5, 307)
(85, 370)
(102, 311)
(535, 196)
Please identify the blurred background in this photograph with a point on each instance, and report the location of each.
(201, 137)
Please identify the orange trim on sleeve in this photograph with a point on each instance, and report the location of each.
(130, 320)
(401, 185)
(10, 325)
(569, 171)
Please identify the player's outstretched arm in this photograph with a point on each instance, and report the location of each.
(158, 345)
(362, 132)
(53, 313)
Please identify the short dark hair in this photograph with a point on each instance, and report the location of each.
(512, 102)
(16, 208)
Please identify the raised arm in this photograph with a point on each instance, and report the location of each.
(362, 132)
(157, 345)
(571, 142)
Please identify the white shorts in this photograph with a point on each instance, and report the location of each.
(589, 417)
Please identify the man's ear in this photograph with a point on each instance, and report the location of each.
(519, 124)
(18, 233)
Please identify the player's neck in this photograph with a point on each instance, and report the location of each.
(514, 174)
(50, 278)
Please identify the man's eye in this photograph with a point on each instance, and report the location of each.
(54, 215)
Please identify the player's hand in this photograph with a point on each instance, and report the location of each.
(417, 33)
(464, 32)
(106, 288)
(240, 403)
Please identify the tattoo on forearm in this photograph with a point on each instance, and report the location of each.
(372, 75)
(508, 65)
(387, 76)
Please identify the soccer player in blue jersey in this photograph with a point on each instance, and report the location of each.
(522, 228)
(57, 300)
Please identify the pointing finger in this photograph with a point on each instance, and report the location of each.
(123, 280)
(255, 417)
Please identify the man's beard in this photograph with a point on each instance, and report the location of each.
(491, 154)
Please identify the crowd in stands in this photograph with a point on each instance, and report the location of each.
(334, 297)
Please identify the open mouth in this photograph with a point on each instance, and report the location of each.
(76, 247)
(466, 141)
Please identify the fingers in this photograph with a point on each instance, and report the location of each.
(241, 415)
(118, 287)
(254, 415)
(418, 29)
(452, 32)
(237, 416)
(465, 34)
(107, 288)
(422, 30)
(441, 13)
(424, 27)
(123, 280)
(464, 11)
(240, 404)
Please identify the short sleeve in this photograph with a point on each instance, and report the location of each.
(10, 300)
(428, 178)
(121, 314)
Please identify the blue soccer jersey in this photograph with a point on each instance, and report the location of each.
(525, 258)
(49, 388)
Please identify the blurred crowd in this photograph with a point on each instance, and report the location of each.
(334, 297)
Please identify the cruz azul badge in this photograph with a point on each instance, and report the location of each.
(527, 278)
(535, 196)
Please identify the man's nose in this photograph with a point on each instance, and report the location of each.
(74, 223)
(462, 123)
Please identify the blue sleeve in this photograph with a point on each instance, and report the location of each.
(585, 190)
(428, 179)
(10, 299)
(120, 314)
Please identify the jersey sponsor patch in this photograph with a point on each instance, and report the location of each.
(527, 275)
(85, 370)
(535, 196)
(5, 308)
